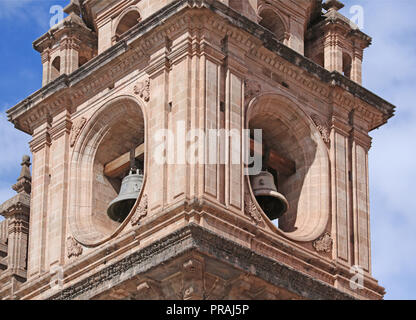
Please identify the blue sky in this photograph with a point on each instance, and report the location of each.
(388, 70)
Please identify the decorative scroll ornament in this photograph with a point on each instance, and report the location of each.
(324, 243)
(141, 211)
(251, 209)
(251, 89)
(322, 128)
(76, 130)
(74, 249)
(142, 89)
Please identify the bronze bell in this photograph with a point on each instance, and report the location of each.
(273, 203)
(130, 189)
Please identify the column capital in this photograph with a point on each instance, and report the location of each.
(61, 125)
(361, 138)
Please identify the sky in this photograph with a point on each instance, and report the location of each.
(388, 70)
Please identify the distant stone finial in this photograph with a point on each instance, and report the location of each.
(24, 182)
(333, 5)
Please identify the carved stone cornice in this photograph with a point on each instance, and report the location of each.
(248, 34)
(374, 119)
(195, 238)
(19, 204)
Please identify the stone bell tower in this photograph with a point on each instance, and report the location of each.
(134, 74)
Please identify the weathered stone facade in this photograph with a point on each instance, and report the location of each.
(129, 68)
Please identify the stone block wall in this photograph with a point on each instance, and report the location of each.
(203, 72)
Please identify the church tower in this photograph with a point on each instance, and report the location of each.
(146, 139)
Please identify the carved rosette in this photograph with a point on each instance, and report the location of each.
(76, 129)
(250, 208)
(324, 243)
(322, 127)
(74, 249)
(251, 89)
(141, 211)
(142, 89)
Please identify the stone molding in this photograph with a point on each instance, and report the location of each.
(19, 203)
(76, 129)
(277, 56)
(191, 238)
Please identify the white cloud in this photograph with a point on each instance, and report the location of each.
(13, 8)
(388, 71)
(14, 144)
(6, 194)
(27, 11)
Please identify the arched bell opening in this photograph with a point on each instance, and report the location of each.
(297, 159)
(284, 160)
(118, 161)
(112, 141)
(346, 65)
(271, 20)
(56, 68)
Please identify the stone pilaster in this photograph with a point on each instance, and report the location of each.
(159, 108)
(332, 51)
(340, 180)
(356, 69)
(361, 144)
(40, 146)
(234, 124)
(58, 189)
(70, 48)
(46, 60)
